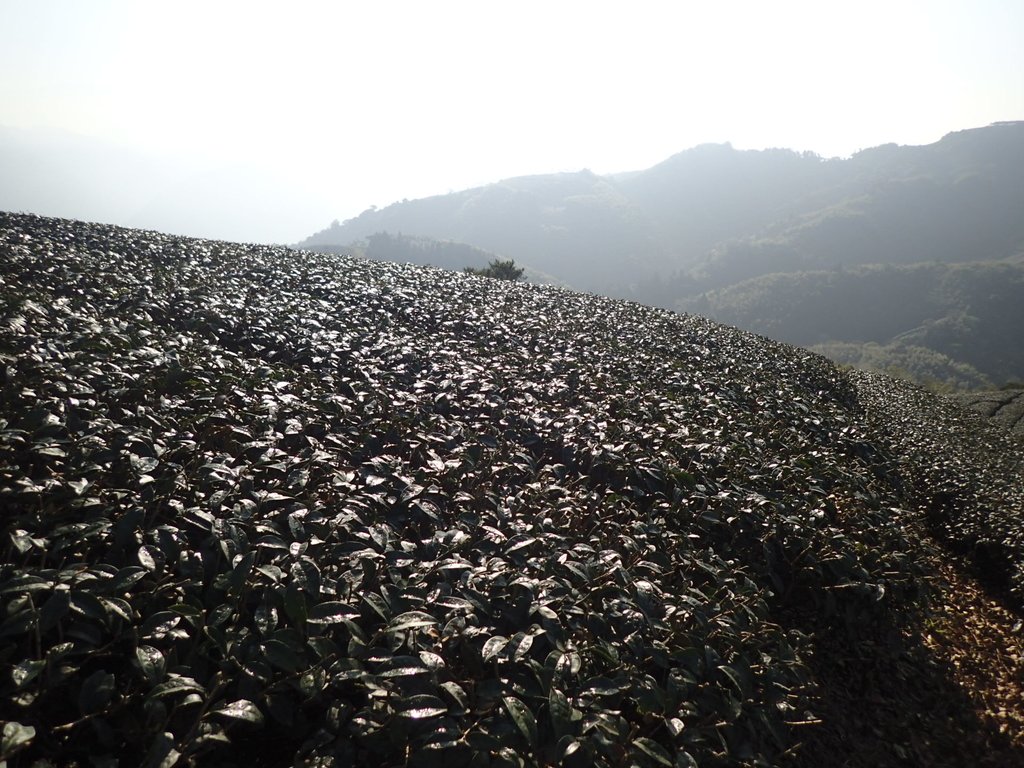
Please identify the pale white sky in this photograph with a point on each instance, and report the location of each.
(343, 105)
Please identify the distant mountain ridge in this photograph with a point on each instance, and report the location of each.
(706, 207)
(575, 226)
(713, 216)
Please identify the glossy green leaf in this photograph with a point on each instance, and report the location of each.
(411, 620)
(24, 672)
(241, 710)
(522, 717)
(97, 691)
(54, 609)
(151, 663)
(15, 737)
(560, 712)
(494, 646)
(654, 751)
(421, 707)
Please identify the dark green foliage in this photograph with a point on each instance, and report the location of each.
(925, 366)
(498, 269)
(268, 507)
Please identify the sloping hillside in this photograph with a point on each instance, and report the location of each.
(272, 507)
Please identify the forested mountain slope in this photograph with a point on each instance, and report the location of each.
(268, 507)
(957, 324)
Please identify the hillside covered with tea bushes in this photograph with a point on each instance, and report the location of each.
(267, 507)
(1004, 407)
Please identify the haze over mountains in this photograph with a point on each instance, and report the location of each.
(59, 173)
(712, 228)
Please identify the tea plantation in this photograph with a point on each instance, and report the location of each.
(1004, 407)
(265, 507)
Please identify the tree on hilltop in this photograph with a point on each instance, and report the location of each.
(498, 269)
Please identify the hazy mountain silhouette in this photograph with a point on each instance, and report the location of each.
(578, 227)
